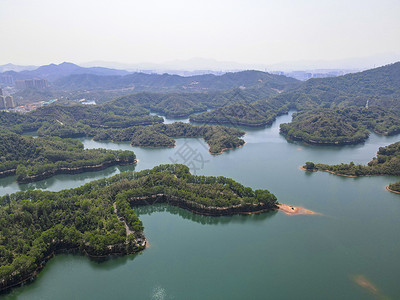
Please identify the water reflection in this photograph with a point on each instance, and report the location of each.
(201, 219)
(58, 182)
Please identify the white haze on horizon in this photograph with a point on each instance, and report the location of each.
(254, 32)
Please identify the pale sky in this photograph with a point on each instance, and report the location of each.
(249, 31)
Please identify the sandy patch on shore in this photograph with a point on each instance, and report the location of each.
(388, 189)
(362, 281)
(296, 210)
(147, 244)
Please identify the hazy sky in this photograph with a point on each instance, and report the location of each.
(249, 31)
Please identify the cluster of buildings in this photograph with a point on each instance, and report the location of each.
(7, 80)
(6, 101)
(31, 83)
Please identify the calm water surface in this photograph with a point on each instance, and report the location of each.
(262, 256)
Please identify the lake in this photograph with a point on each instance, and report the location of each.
(355, 239)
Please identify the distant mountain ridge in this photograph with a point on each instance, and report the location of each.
(53, 72)
(374, 87)
(15, 68)
(166, 82)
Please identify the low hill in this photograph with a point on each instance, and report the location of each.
(35, 159)
(341, 126)
(376, 87)
(168, 83)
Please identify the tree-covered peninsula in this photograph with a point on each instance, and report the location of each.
(235, 114)
(218, 138)
(38, 158)
(116, 122)
(341, 126)
(97, 218)
(386, 162)
(394, 187)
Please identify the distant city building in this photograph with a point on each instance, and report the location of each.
(1, 92)
(7, 79)
(2, 103)
(9, 102)
(20, 84)
(31, 83)
(40, 83)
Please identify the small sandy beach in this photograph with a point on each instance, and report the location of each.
(296, 210)
(388, 189)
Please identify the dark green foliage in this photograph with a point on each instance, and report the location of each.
(174, 83)
(387, 162)
(325, 126)
(341, 126)
(395, 186)
(34, 224)
(150, 137)
(104, 116)
(309, 166)
(162, 135)
(235, 114)
(380, 87)
(34, 159)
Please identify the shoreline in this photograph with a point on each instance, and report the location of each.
(75, 170)
(295, 210)
(317, 143)
(334, 173)
(72, 249)
(344, 175)
(392, 191)
(200, 209)
(224, 149)
(113, 250)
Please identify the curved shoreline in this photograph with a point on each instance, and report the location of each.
(200, 209)
(224, 149)
(295, 210)
(350, 176)
(8, 173)
(121, 249)
(344, 175)
(334, 173)
(317, 143)
(262, 124)
(66, 249)
(109, 251)
(392, 191)
(75, 170)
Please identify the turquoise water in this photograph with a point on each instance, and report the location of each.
(262, 256)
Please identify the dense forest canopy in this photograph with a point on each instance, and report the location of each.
(34, 224)
(379, 87)
(323, 102)
(336, 110)
(386, 162)
(162, 135)
(341, 126)
(173, 83)
(34, 159)
(116, 121)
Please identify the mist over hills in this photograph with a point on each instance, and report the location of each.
(53, 72)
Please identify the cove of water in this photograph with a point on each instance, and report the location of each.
(269, 255)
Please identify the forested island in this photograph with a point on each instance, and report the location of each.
(116, 123)
(341, 126)
(334, 111)
(219, 138)
(235, 114)
(33, 159)
(386, 162)
(394, 187)
(97, 218)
